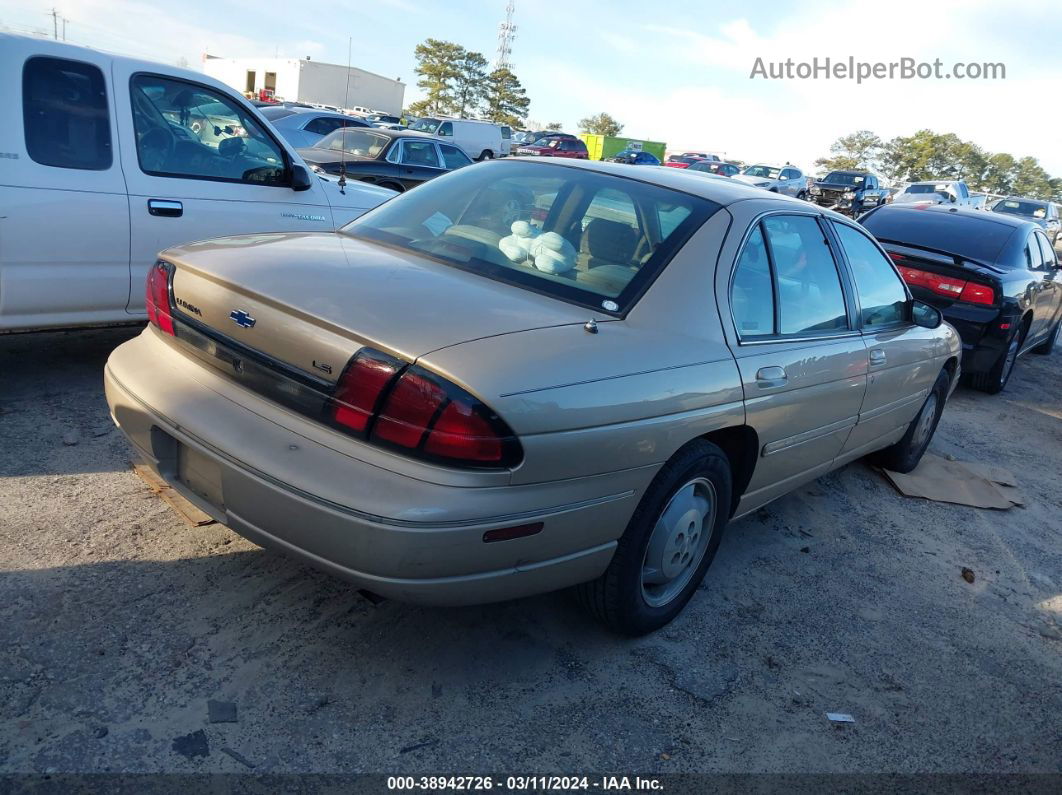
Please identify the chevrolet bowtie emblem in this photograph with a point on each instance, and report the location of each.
(241, 318)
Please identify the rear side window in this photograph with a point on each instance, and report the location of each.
(419, 153)
(802, 293)
(1050, 259)
(454, 157)
(882, 296)
(64, 113)
(324, 125)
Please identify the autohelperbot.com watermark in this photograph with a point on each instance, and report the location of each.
(901, 69)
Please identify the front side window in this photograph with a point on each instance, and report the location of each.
(454, 157)
(588, 238)
(64, 114)
(419, 153)
(882, 296)
(447, 129)
(189, 130)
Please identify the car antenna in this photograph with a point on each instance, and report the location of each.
(343, 145)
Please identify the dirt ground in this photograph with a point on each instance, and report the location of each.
(119, 623)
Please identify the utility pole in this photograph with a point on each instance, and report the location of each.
(55, 24)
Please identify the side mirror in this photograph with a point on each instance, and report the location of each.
(926, 316)
(300, 178)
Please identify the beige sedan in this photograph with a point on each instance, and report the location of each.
(527, 375)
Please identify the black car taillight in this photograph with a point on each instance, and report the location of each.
(157, 297)
(408, 408)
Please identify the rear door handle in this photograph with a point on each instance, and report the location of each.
(877, 357)
(770, 377)
(165, 208)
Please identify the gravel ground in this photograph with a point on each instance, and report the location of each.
(119, 623)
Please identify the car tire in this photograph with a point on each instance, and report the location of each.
(1048, 345)
(995, 379)
(668, 545)
(904, 456)
(486, 154)
(802, 195)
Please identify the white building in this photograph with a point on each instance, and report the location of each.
(304, 80)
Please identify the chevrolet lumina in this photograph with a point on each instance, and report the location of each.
(529, 374)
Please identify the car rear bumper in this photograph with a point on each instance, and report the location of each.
(256, 468)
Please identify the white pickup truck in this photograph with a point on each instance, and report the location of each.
(941, 191)
(105, 160)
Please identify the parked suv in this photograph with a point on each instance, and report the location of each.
(558, 145)
(107, 160)
(786, 179)
(848, 192)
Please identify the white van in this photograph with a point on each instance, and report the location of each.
(105, 160)
(480, 140)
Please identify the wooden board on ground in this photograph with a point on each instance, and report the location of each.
(188, 512)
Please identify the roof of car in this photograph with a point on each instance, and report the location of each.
(1025, 199)
(724, 191)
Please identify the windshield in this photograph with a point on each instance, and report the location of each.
(425, 125)
(843, 178)
(583, 237)
(1020, 207)
(927, 188)
(355, 141)
(762, 171)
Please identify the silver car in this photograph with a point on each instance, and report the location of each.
(304, 127)
(527, 375)
(787, 180)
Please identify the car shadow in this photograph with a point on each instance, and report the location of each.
(53, 415)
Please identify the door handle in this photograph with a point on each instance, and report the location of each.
(769, 377)
(877, 356)
(165, 208)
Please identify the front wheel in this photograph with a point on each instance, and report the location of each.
(668, 545)
(904, 456)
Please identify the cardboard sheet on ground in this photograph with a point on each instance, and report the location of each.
(959, 482)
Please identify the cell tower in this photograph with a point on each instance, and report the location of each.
(506, 34)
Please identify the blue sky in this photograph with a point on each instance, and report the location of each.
(680, 74)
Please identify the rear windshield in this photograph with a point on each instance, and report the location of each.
(592, 239)
(928, 188)
(974, 237)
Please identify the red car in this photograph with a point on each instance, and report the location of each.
(686, 159)
(560, 145)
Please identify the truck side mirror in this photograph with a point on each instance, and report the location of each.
(300, 178)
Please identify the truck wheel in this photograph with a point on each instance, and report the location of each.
(904, 456)
(486, 154)
(1048, 344)
(668, 545)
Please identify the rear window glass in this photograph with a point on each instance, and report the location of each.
(588, 238)
(975, 237)
(64, 112)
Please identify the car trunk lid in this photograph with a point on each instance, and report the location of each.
(309, 301)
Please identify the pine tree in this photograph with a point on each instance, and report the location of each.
(505, 100)
(438, 67)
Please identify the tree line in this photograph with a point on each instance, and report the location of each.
(930, 155)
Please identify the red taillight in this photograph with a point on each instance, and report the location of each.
(409, 410)
(157, 297)
(402, 406)
(359, 389)
(958, 289)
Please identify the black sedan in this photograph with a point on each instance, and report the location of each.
(995, 277)
(396, 159)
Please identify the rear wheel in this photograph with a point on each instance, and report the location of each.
(668, 545)
(486, 154)
(994, 381)
(905, 454)
(1048, 345)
